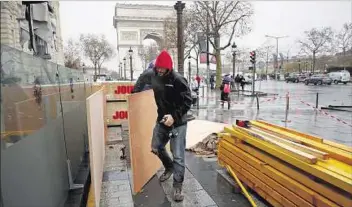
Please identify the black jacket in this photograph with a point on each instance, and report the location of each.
(171, 92)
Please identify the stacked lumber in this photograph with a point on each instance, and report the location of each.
(287, 167)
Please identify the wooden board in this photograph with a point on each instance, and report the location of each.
(336, 153)
(289, 188)
(311, 137)
(331, 177)
(197, 130)
(142, 118)
(118, 89)
(306, 157)
(95, 120)
(111, 109)
(266, 161)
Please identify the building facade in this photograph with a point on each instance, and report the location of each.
(47, 29)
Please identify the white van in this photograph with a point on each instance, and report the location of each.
(340, 77)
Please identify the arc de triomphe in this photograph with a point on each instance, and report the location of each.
(135, 23)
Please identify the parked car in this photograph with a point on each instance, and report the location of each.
(294, 78)
(302, 78)
(340, 77)
(318, 79)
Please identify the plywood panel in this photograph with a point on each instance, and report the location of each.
(118, 90)
(95, 120)
(142, 116)
(197, 130)
(111, 109)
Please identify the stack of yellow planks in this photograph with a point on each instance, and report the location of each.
(287, 167)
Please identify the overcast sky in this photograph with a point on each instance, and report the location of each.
(278, 18)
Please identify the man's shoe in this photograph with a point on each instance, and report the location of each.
(166, 175)
(178, 196)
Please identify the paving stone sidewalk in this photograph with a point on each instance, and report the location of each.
(116, 188)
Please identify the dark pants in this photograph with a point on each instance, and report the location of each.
(177, 145)
(224, 96)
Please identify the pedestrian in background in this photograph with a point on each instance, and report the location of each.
(198, 79)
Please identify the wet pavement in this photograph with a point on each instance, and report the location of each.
(302, 115)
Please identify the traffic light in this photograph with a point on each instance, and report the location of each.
(252, 56)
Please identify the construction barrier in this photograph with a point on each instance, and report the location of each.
(287, 167)
(95, 122)
(116, 93)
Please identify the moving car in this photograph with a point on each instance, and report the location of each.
(340, 77)
(318, 79)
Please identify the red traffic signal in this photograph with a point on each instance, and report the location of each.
(252, 56)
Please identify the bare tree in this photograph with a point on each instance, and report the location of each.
(316, 41)
(265, 52)
(97, 49)
(229, 18)
(197, 51)
(344, 38)
(72, 51)
(191, 27)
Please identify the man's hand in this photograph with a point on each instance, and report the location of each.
(169, 121)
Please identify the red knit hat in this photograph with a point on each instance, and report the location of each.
(164, 60)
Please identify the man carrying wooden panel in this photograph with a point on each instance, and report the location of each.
(173, 99)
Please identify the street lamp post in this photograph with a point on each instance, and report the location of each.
(234, 46)
(189, 69)
(208, 48)
(179, 6)
(124, 68)
(277, 49)
(130, 52)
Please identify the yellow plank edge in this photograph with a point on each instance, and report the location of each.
(289, 188)
(336, 166)
(311, 137)
(273, 147)
(251, 201)
(267, 180)
(331, 177)
(283, 146)
(269, 162)
(306, 149)
(242, 173)
(91, 198)
(338, 145)
(251, 184)
(335, 153)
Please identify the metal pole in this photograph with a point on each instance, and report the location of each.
(257, 101)
(287, 106)
(189, 71)
(131, 71)
(317, 101)
(277, 56)
(267, 62)
(277, 51)
(234, 64)
(299, 66)
(179, 6)
(253, 80)
(124, 67)
(208, 62)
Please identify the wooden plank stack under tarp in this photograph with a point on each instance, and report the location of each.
(287, 167)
